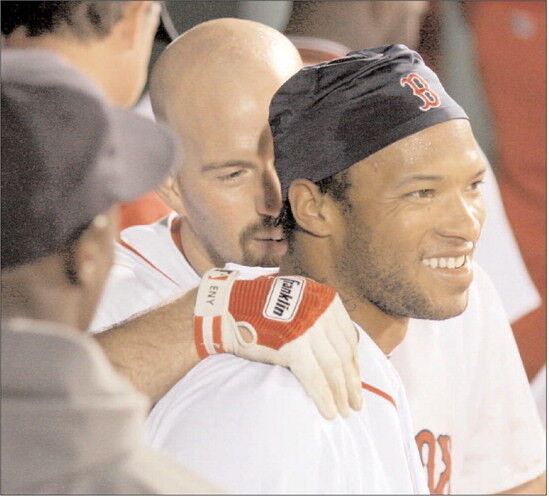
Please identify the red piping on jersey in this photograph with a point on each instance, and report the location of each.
(379, 392)
(174, 231)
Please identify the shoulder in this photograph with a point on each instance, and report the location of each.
(249, 427)
(482, 283)
(130, 289)
(485, 313)
(454, 345)
(241, 388)
(143, 243)
(139, 247)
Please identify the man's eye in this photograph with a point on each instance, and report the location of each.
(425, 193)
(476, 185)
(232, 175)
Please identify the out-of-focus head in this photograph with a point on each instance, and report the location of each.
(393, 185)
(213, 85)
(111, 41)
(359, 24)
(86, 20)
(67, 160)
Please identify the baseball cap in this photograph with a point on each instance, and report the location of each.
(331, 115)
(67, 155)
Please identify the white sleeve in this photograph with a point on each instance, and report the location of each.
(505, 442)
(249, 428)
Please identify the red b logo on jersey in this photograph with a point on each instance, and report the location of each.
(421, 89)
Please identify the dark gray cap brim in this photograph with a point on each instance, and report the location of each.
(67, 155)
(143, 154)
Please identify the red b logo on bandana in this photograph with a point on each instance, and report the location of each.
(421, 89)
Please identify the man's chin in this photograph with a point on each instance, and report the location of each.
(433, 310)
(448, 310)
(269, 255)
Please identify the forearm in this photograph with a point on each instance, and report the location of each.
(537, 486)
(155, 349)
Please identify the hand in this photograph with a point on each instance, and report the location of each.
(290, 321)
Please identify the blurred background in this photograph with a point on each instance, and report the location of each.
(491, 57)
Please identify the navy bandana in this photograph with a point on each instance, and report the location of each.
(329, 116)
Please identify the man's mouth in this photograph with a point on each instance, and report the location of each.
(272, 235)
(275, 245)
(269, 239)
(446, 262)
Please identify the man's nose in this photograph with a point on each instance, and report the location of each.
(461, 217)
(269, 198)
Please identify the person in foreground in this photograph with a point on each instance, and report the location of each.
(359, 216)
(70, 424)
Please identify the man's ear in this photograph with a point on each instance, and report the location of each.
(128, 28)
(310, 207)
(170, 193)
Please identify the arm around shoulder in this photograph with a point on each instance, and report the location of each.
(154, 350)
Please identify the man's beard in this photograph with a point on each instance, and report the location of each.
(248, 258)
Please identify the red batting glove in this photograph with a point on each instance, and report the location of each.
(290, 321)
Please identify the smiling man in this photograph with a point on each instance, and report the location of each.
(411, 224)
(380, 173)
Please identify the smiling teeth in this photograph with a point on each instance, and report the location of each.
(446, 262)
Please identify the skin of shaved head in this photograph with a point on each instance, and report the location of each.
(213, 86)
(216, 49)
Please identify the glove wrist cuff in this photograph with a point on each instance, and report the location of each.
(214, 292)
(211, 309)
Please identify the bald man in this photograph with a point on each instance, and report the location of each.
(213, 85)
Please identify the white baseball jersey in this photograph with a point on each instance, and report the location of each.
(251, 428)
(475, 419)
(148, 269)
(437, 369)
